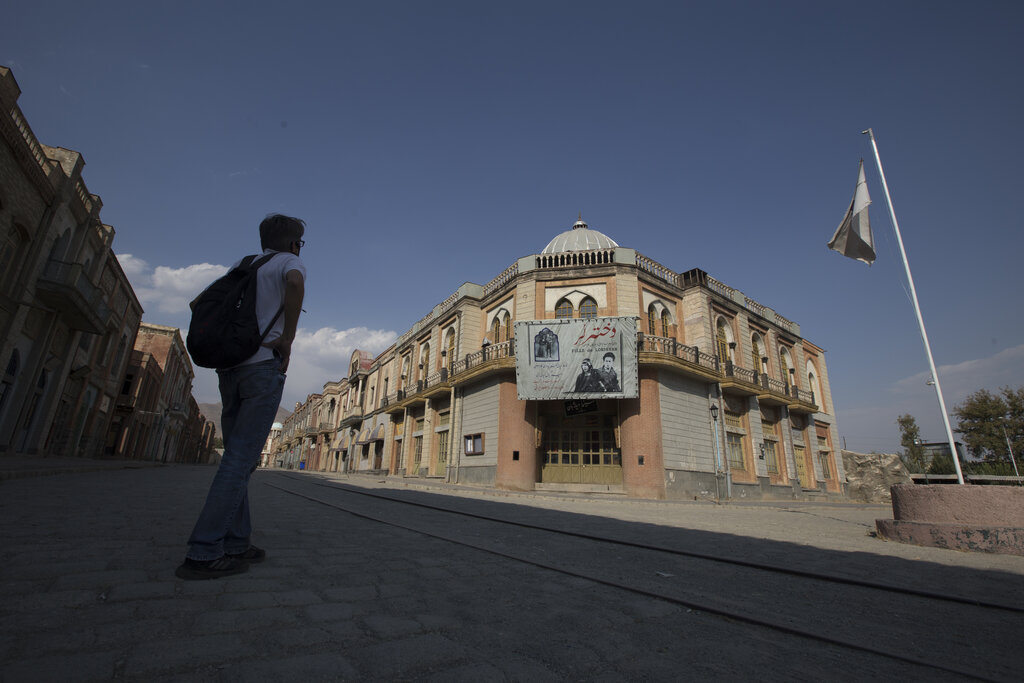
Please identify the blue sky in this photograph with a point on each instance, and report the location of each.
(429, 144)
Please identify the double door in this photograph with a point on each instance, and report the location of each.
(581, 451)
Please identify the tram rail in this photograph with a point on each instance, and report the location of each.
(903, 601)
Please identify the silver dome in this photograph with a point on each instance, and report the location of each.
(579, 238)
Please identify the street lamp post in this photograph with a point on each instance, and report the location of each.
(718, 453)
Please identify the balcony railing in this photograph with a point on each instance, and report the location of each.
(569, 259)
(505, 349)
(645, 343)
(742, 374)
(67, 288)
(672, 347)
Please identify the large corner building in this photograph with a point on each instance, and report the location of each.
(586, 367)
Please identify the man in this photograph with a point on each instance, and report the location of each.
(609, 378)
(250, 395)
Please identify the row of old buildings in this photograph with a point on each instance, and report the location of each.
(586, 366)
(82, 374)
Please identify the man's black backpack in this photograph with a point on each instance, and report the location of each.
(225, 330)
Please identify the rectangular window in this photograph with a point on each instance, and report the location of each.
(442, 448)
(771, 457)
(734, 451)
(443, 419)
(417, 455)
(823, 457)
(474, 444)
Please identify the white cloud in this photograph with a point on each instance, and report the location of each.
(873, 426)
(167, 290)
(960, 379)
(323, 356)
(176, 287)
(317, 358)
(133, 267)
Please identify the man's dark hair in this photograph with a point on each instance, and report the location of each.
(277, 232)
(609, 355)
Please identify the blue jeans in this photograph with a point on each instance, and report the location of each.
(250, 395)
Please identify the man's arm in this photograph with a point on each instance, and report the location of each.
(294, 292)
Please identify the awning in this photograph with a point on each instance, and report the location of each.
(378, 433)
(340, 442)
(364, 437)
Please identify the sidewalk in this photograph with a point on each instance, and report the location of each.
(87, 586)
(19, 467)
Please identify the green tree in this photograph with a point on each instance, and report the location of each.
(986, 421)
(910, 438)
(942, 463)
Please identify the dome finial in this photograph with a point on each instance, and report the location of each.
(579, 222)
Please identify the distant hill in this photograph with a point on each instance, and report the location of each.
(211, 411)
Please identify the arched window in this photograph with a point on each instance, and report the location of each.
(814, 385)
(563, 309)
(785, 365)
(12, 256)
(588, 308)
(121, 348)
(652, 316)
(666, 324)
(7, 383)
(450, 344)
(506, 327)
(756, 353)
(722, 339)
(425, 358)
(496, 330)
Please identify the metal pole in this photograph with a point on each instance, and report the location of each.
(917, 310)
(1010, 448)
(718, 454)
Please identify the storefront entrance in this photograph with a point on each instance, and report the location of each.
(580, 450)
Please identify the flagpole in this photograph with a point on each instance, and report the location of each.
(917, 310)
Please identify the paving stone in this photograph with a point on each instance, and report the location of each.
(85, 666)
(311, 668)
(151, 658)
(344, 598)
(391, 627)
(297, 597)
(409, 656)
(133, 591)
(329, 611)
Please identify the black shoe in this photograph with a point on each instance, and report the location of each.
(195, 570)
(251, 555)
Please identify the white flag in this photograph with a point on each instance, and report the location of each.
(853, 236)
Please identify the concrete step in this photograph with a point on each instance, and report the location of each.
(614, 489)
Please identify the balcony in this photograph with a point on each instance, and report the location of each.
(352, 415)
(66, 288)
(483, 359)
(690, 359)
(325, 427)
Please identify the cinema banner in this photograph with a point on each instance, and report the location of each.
(560, 360)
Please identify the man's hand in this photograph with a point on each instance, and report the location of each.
(283, 351)
(294, 291)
